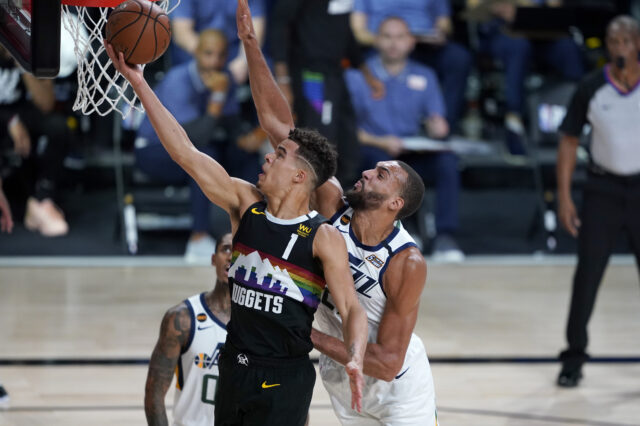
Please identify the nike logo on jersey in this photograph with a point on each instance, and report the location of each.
(256, 211)
(402, 374)
(204, 328)
(266, 386)
(257, 300)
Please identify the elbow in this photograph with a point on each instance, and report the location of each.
(391, 370)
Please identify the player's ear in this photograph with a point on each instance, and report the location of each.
(396, 204)
(300, 176)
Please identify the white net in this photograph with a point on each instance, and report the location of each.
(101, 89)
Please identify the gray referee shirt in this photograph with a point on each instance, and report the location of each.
(615, 120)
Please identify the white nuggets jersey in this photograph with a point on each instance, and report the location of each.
(197, 370)
(409, 399)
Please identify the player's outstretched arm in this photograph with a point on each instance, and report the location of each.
(330, 248)
(273, 109)
(404, 281)
(233, 195)
(174, 335)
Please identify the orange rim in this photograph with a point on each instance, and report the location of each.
(94, 3)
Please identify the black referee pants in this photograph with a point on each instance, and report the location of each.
(611, 204)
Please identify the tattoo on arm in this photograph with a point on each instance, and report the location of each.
(174, 332)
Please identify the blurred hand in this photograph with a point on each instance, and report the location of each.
(20, 137)
(568, 216)
(6, 222)
(133, 73)
(239, 70)
(356, 381)
(377, 88)
(215, 81)
(252, 141)
(243, 21)
(393, 145)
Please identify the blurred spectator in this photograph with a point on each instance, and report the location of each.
(412, 100)
(193, 16)
(200, 95)
(516, 53)
(430, 23)
(38, 136)
(312, 44)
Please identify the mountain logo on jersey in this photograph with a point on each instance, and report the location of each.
(304, 231)
(276, 276)
(208, 360)
(375, 261)
(202, 317)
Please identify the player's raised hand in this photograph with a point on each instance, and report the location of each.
(356, 381)
(243, 21)
(133, 73)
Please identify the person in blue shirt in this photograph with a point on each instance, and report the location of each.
(430, 23)
(193, 16)
(412, 102)
(200, 96)
(517, 55)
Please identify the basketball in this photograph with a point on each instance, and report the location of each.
(140, 30)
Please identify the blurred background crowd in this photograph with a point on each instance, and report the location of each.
(470, 93)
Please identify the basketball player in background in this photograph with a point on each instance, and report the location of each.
(191, 336)
(283, 257)
(389, 273)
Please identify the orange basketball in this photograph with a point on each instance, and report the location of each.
(140, 30)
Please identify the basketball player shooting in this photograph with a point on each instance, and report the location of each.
(283, 257)
(388, 269)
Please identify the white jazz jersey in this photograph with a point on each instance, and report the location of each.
(409, 399)
(197, 370)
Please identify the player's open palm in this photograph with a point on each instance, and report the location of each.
(133, 73)
(356, 381)
(243, 21)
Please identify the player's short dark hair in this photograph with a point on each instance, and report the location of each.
(412, 192)
(318, 151)
(219, 239)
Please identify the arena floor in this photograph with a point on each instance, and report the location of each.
(76, 333)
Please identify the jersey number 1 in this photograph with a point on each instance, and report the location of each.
(287, 251)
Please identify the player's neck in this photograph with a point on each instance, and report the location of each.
(290, 205)
(370, 227)
(218, 300)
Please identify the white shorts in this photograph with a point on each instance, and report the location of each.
(408, 400)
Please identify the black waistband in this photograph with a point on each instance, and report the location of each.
(596, 170)
(238, 357)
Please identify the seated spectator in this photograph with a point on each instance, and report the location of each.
(200, 95)
(431, 26)
(193, 16)
(32, 131)
(517, 55)
(412, 100)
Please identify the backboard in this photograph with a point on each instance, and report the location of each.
(30, 31)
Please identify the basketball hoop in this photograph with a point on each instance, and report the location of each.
(101, 89)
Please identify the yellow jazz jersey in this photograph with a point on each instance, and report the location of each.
(197, 370)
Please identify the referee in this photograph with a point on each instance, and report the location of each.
(609, 100)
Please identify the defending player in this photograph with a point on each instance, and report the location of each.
(191, 336)
(389, 273)
(283, 253)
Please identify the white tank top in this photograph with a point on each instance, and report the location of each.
(368, 265)
(197, 370)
